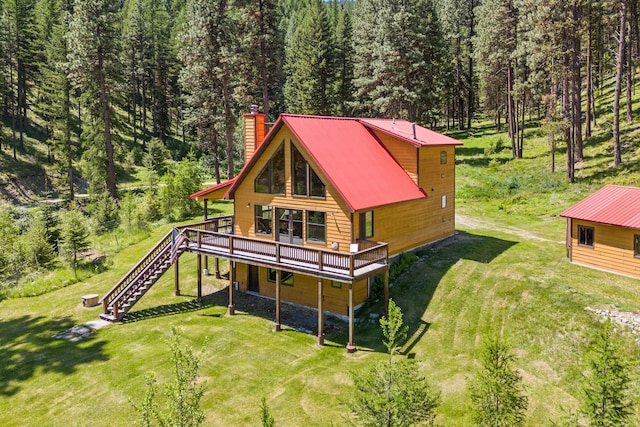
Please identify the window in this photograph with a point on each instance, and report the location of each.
(585, 236)
(636, 245)
(444, 201)
(335, 284)
(366, 225)
(286, 277)
(305, 181)
(264, 219)
(443, 157)
(316, 226)
(271, 178)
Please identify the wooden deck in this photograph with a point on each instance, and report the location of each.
(215, 238)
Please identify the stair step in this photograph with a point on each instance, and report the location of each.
(109, 317)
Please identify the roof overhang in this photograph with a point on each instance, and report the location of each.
(216, 192)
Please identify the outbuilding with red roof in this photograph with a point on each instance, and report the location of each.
(603, 230)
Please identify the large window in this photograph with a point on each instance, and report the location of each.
(585, 236)
(366, 225)
(264, 219)
(305, 181)
(286, 277)
(636, 245)
(271, 177)
(316, 226)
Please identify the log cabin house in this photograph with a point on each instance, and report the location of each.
(603, 230)
(320, 206)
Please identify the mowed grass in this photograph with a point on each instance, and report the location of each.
(504, 274)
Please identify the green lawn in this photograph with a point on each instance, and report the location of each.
(505, 273)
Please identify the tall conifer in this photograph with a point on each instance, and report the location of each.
(93, 61)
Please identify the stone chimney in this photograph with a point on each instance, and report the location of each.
(254, 131)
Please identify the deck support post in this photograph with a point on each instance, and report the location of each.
(217, 268)
(386, 292)
(232, 279)
(176, 278)
(277, 326)
(320, 314)
(350, 345)
(199, 262)
(206, 217)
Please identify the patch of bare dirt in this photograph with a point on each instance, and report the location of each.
(483, 224)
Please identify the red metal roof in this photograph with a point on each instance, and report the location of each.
(404, 130)
(352, 157)
(356, 163)
(212, 189)
(612, 204)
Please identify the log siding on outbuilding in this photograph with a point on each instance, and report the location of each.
(603, 230)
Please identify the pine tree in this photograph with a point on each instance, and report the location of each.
(207, 49)
(497, 394)
(309, 88)
(93, 62)
(74, 235)
(20, 50)
(55, 88)
(607, 388)
(344, 63)
(393, 392)
(399, 67)
(262, 56)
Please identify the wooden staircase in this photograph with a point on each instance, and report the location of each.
(119, 300)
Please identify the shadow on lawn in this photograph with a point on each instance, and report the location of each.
(27, 348)
(412, 291)
(291, 317)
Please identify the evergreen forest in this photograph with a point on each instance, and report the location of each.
(98, 80)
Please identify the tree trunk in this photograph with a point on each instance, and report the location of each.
(470, 98)
(228, 120)
(617, 157)
(263, 62)
(589, 72)
(576, 118)
(511, 114)
(106, 116)
(629, 74)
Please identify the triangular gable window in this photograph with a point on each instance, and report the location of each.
(306, 181)
(271, 177)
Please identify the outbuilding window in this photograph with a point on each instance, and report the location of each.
(636, 245)
(585, 236)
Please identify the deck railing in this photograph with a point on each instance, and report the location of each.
(221, 240)
(153, 259)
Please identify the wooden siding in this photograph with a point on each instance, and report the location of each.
(305, 290)
(249, 136)
(407, 225)
(405, 153)
(338, 224)
(612, 248)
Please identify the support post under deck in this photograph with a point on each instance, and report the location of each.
(232, 279)
(199, 258)
(277, 326)
(176, 278)
(320, 313)
(350, 345)
(386, 292)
